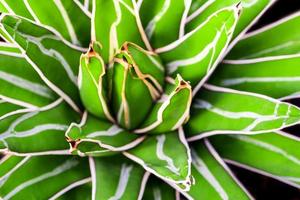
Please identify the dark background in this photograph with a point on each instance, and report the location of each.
(261, 187)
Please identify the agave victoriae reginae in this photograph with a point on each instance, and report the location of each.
(110, 99)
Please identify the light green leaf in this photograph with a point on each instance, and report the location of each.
(164, 21)
(251, 12)
(56, 63)
(166, 156)
(170, 111)
(194, 56)
(276, 39)
(64, 17)
(277, 77)
(19, 82)
(37, 131)
(51, 176)
(274, 154)
(138, 76)
(93, 136)
(111, 20)
(212, 178)
(219, 111)
(117, 178)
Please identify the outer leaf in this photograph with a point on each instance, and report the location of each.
(19, 83)
(115, 22)
(171, 111)
(271, 154)
(65, 17)
(164, 21)
(40, 131)
(138, 76)
(56, 63)
(277, 77)
(265, 41)
(117, 178)
(252, 11)
(195, 57)
(213, 179)
(220, 110)
(52, 175)
(166, 156)
(93, 136)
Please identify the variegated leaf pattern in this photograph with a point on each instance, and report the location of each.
(7, 109)
(37, 131)
(19, 83)
(51, 176)
(120, 16)
(171, 110)
(212, 177)
(274, 154)
(55, 62)
(117, 178)
(163, 21)
(216, 111)
(66, 17)
(264, 76)
(95, 137)
(251, 12)
(265, 42)
(195, 57)
(77, 191)
(166, 156)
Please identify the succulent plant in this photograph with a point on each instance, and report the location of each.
(145, 99)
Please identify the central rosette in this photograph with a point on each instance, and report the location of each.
(132, 91)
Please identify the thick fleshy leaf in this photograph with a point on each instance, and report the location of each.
(117, 178)
(274, 154)
(252, 11)
(212, 178)
(93, 136)
(65, 17)
(194, 56)
(266, 41)
(219, 111)
(56, 63)
(277, 77)
(38, 131)
(78, 192)
(164, 21)
(92, 84)
(138, 76)
(166, 156)
(51, 176)
(7, 109)
(19, 82)
(171, 110)
(115, 22)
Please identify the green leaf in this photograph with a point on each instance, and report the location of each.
(51, 176)
(170, 111)
(251, 12)
(138, 76)
(37, 131)
(164, 21)
(93, 136)
(7, 109)
(277, 77)
(111, 20)
(265, 41)
(166, 156)
(274, 154)
(64, 17)
(212, 178)
(194, 56)
(19, 83)
(117, 178)
(56, 63)
(224, 111)
(77, 193)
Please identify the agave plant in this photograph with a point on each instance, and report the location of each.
(117, 99)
